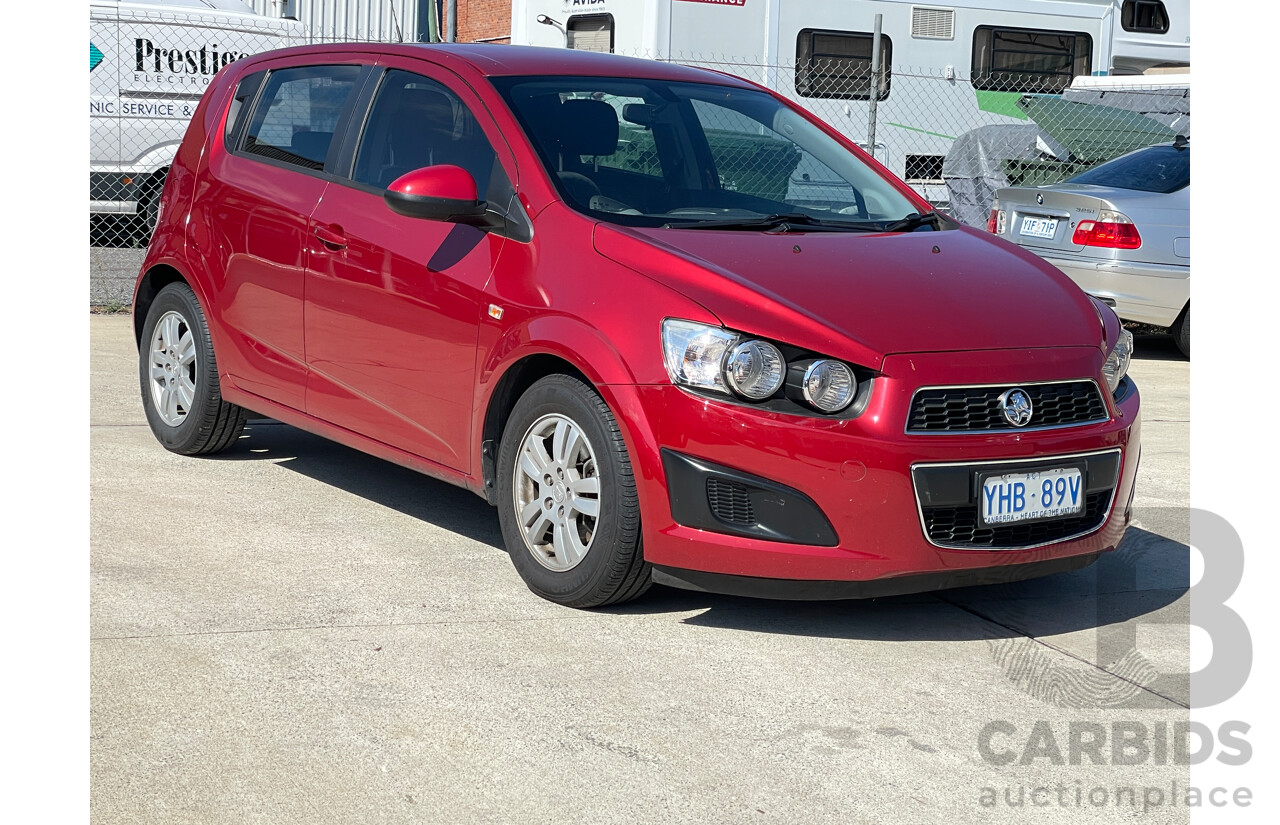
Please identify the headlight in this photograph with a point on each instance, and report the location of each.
(694, 353)
(1118, 361)
(754, 369)
(706, 357)
(828, 385)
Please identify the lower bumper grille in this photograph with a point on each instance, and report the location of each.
(960, 526)
(949, 499)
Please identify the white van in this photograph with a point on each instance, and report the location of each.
(149, 63)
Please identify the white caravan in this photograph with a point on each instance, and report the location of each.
(951, 66)
(149, 63)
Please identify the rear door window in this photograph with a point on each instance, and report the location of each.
(298, 113)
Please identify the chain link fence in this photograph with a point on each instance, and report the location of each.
(955, 139)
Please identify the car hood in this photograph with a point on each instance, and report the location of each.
(863, 296)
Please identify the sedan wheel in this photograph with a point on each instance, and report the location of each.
(173, 368)
(571, 518)
(179, 376)
(557, 493)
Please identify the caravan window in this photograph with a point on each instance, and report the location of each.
(833, 64)
(1144, 16)
(1028, 60)
(590, 32)
(297, 114)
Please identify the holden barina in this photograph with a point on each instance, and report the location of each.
(674, 328)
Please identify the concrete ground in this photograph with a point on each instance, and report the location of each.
(295, 632)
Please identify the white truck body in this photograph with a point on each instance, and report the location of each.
(149, 63)
(933, 53)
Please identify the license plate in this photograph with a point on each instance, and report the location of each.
(1039, 227)
(1024, 496)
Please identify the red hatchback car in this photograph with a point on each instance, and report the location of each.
(674, 328)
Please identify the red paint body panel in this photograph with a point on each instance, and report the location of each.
(392, 334)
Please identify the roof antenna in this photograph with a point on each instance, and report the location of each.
(1181, 142)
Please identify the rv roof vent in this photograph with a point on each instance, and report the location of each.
(934, 24)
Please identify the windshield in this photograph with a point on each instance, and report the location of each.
(1162, 169)
(654, 153)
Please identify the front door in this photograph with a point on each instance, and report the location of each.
(393, 303)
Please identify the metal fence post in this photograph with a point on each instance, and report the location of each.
(875, 86)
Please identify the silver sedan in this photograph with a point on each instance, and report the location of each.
(1121, 230)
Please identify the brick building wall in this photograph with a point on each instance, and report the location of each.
(484, 19)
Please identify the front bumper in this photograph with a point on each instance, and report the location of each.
(1146, 293)
(859, 474)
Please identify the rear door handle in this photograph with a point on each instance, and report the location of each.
(332, 238)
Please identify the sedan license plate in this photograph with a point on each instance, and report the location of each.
(1024, 496)
(1039, 227)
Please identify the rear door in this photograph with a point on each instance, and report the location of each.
(257, 206)
(393, 303)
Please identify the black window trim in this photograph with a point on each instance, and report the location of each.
(366, 66)
(885, 68)
(233, 133)
(985, 80)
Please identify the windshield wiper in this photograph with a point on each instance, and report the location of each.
(914, 221)
(781, 222)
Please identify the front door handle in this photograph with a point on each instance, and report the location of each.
(331, 237)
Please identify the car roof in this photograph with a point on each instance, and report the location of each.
(498, 59)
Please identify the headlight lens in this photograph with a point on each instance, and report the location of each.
(694, 353)
(1118, 361)
(828, 385)
(754, 369)
(706, 357)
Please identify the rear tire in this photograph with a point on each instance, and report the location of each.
(1181, 330)
(179, 378)
(567, 498)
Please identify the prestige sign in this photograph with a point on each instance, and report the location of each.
(207, 60)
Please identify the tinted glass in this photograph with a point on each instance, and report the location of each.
(1028, 60)
(298, 112)
(649, 152)
(1155, 169)
(417, 122)
(838, 64)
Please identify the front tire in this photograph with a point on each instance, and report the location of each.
(567, 499)
(179, 378)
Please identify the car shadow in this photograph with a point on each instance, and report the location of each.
(1154, 346)
(1148, 572)
(374, 479)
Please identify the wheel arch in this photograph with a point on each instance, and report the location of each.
(512, 384)
(149, 285)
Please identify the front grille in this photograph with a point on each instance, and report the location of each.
(961, 526)
(968, 409)
(729, 501)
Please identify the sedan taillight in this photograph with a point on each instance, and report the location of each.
(995, 221)
(1111, 230)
